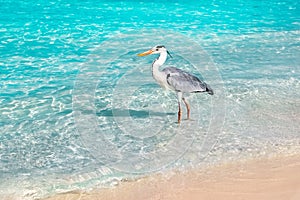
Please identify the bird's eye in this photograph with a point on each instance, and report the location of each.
(157, 49)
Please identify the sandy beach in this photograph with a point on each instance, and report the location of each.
(275, 178)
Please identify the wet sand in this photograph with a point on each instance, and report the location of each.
(276, 178)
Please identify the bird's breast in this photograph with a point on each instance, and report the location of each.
(160, 77)
(162, 81)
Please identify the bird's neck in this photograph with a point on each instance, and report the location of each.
(159, 61)
(156, 73)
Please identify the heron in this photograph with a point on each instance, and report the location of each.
(175, 79)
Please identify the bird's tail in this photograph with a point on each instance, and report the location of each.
(209, 90)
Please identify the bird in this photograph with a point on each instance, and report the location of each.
(175, 79)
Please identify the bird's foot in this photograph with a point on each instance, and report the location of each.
(189, 119)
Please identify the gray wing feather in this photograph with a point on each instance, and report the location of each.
(183, 81)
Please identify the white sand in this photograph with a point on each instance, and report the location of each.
(276, 178)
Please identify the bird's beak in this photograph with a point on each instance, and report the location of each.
(146, 53)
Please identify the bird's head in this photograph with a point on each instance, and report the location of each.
(155, 50)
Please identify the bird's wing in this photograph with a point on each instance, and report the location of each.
(183, 81)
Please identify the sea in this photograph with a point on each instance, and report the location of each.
(80, 110)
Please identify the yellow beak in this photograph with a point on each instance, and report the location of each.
(145, 53)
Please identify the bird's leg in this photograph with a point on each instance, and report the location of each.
(179, 112)
(179, 97)
(187, 107)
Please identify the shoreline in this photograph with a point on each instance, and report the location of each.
(273, 178)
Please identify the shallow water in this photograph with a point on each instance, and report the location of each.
(79, 109)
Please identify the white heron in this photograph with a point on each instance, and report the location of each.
(175, 79)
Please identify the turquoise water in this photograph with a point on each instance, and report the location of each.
(79, 109)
